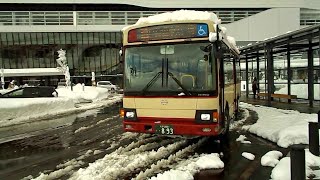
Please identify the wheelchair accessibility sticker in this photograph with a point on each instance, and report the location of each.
(202, 30)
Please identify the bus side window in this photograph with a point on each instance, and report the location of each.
(228, 71)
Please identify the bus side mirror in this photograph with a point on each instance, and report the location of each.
(121, 56)
(206, 57)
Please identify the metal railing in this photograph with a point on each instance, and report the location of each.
(36, 18)
(9, 18)
(309, 16)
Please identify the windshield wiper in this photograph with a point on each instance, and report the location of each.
(179, 83)
(150, 83)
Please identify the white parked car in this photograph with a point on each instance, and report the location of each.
(108, 85)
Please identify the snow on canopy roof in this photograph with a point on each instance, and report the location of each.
(180, 15)
(32, 72)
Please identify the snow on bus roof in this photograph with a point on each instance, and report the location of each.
(180, 15)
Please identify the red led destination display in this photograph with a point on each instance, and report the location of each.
(168, 31)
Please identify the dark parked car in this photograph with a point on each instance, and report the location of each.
(31, 92)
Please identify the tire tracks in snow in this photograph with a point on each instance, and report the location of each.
(125, 161)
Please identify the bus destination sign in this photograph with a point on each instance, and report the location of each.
(168, 31)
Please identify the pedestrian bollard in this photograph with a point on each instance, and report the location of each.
(297, 161)
(314, 138)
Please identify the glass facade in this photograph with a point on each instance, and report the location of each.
(86, 52)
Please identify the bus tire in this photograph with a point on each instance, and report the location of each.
(224, 137)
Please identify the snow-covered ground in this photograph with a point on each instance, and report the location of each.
(284, 127)
(23, 110)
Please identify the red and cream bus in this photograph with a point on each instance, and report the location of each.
(177, 82)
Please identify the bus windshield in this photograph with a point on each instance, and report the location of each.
(178, 69)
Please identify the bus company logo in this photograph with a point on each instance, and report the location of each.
(163, 102)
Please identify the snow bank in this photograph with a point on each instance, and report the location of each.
(22, 110)
(13, 108)
(2, 91)
(284, 127)
(188, 168)
(283, 172)
(80, 93)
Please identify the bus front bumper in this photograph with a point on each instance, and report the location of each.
(177, 128)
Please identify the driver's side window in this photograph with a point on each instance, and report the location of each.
(16, 93)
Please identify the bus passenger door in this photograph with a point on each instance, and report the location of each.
(229, 85)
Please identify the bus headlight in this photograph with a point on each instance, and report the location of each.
(205, 117)
(129, 114)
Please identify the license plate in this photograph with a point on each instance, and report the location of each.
(164, 129)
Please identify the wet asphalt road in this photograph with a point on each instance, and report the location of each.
(98, 130)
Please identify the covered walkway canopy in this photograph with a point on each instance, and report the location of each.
(283, 61)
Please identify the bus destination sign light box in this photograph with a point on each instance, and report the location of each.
(168, 31)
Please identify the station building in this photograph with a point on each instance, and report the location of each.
(31, 32)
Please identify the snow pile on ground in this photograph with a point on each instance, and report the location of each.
(249, 156)
(283, 172)
(301, 90)
(242, 139)
(22, 110)
(187, 169)
(15, 108)
(2, 91)
(271, 158)
(284, 127)
(86, 93)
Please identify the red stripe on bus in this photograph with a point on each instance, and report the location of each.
(177, 97)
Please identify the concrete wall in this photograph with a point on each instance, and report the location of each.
(269, 23)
